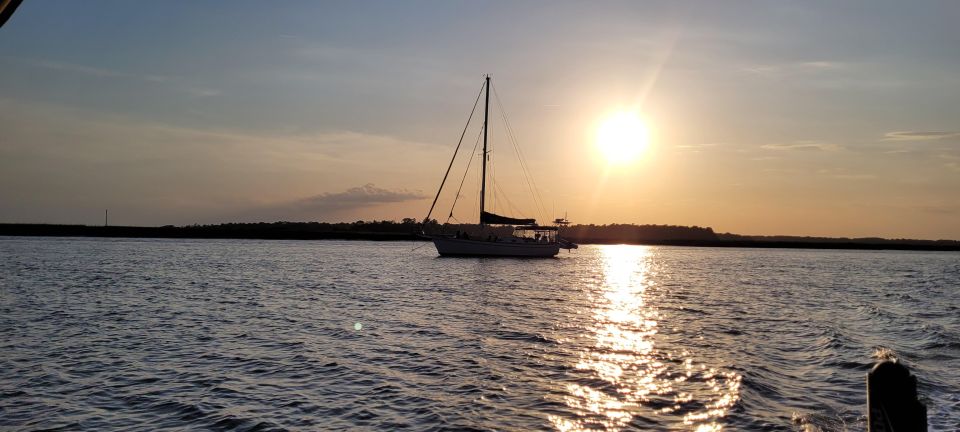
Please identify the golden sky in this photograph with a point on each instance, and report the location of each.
(766, 118)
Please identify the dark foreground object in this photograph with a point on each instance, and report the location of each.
(381, 231)
(7, 7)
(892, 403)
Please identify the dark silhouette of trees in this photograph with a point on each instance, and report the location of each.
(628, 233)
(411, 229)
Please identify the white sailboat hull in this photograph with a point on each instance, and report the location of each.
(448, 246)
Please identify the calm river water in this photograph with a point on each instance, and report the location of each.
(128, 334)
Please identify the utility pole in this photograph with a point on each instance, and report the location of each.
(106, 217)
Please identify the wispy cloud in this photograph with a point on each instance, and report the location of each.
(941, 208)
(156, 78)
(794, 68)
(330, 205)
(855, 176)
(203, 92)
(90, 70)
(85, 70)
(773, 170)
(802, 145)
(821, 65)
(919, 135)
(75, 68)
(356, 197)
(182, 174)
(952, 161)
(695, 148)
(99, 72)
(840, 173)
(826, 74)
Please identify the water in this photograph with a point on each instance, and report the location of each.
(274, 335)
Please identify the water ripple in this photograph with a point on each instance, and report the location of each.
(104, 334)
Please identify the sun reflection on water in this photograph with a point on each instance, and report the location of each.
(633, 378)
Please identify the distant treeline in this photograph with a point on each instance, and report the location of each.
(836, 240)
(410, 229)
(625, 233)
(385, 230)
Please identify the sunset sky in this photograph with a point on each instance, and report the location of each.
(795, 118)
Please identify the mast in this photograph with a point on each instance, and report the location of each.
(483, 182)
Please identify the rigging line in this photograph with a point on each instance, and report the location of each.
(418, 247)
(479, 187)
(495, 173)
(513, 209)
(465, 172)
(541, 208)
(528, 176)
(492, 176)
(475, 103)
(532, 183)
(492, 172)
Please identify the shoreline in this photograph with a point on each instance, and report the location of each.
(47, 230)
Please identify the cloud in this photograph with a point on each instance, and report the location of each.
(97, 72)
(802, 145)
(348, 204)
(156, 78)
(953, 161)
(782, 170)
(696, 146)
(918, 135)
(75, 68)
(823, 74)
(354, 198)
(794, 68)
(943, 209)
(203, 92)
(59, 160)
(821, 65)
(89, 70)
(82, 136)
(855, 176)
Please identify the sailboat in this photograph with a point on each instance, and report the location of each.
(528, 238)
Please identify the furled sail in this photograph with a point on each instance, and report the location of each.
(495, 219)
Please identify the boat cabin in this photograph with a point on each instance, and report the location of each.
(536, 233)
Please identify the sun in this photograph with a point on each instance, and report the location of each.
(623, 137)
